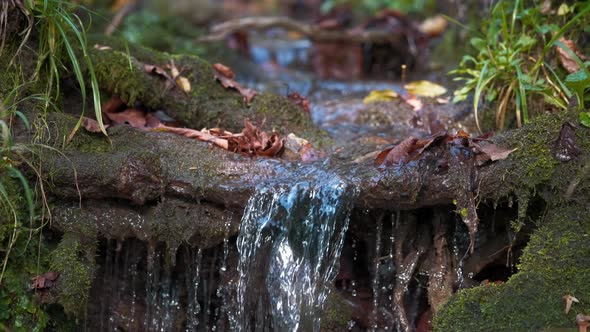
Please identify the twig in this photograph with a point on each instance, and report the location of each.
(313, 32)
(119, 17)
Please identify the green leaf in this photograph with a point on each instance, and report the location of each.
(585, 119)
(478, 43)
(525, 42)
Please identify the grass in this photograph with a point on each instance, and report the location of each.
(61, 34)
(512, 67)
(24, 210)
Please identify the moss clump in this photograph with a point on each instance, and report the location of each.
(337, 313)
(555, 263)
(76, 266)
(19, 311)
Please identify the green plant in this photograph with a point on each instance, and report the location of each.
(60, 34)
(511, 68)
(20, 229)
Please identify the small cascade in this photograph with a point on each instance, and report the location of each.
(290, 240)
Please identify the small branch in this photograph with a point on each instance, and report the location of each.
(312, 32)
(119, 18)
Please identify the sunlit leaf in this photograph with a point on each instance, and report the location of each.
(425, 89)
(380, 95)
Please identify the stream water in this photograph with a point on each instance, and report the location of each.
(290, 240)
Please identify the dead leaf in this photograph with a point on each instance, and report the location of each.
(101, 47)
(254, 141)
(91, 125)
(492, 152)
(114, 104)
(396, 154)
(434, 26)
(565, 147)
(193, 133)
(380, 96)
(566, 59)
(131, 116)
(158, 71)
(569, 299)
(414, 102)
(300, 101)
(583, 321)
(44, 281)
(425, 89)
(427, 142)
(225, 76)
(183, 83)
(224, 70)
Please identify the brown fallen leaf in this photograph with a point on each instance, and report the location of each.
(300, 101)
(193, 133)
(569, 300)
(158, 71)
(565, 147)
(131, 116)
(225, 76)
(396, 154)
(427, 142)
(224, 70)
(91, 125)
(583, 321)
(566, 59)
(254, 141)
(492, 152)
(44, 281)
(114, 104)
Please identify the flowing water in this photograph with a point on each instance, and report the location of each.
(290, 240)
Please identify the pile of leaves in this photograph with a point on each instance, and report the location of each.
(413, 148)
(251, 141)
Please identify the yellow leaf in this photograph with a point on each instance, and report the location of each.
(425, 89)
(563, 9)
(380, 95)
(183, 83)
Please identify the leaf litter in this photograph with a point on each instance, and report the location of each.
(252, 141)
(226, 76)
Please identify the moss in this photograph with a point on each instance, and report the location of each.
(555, 263)
(208, 104)
(76, 266)
(337, 313)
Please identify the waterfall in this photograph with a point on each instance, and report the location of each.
(290, 240)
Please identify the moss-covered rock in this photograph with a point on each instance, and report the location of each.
(76, 266)
(555, 263)
(120, 71)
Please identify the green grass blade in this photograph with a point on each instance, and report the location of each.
(482, 82)
(27, 190)
(522, 95)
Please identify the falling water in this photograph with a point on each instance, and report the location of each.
(290, 240)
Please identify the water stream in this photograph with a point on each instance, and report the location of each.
(290, 241)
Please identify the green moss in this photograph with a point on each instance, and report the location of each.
(75, 263)
(337, 313)
(120, 71)
(19, 311)
(555, 263)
